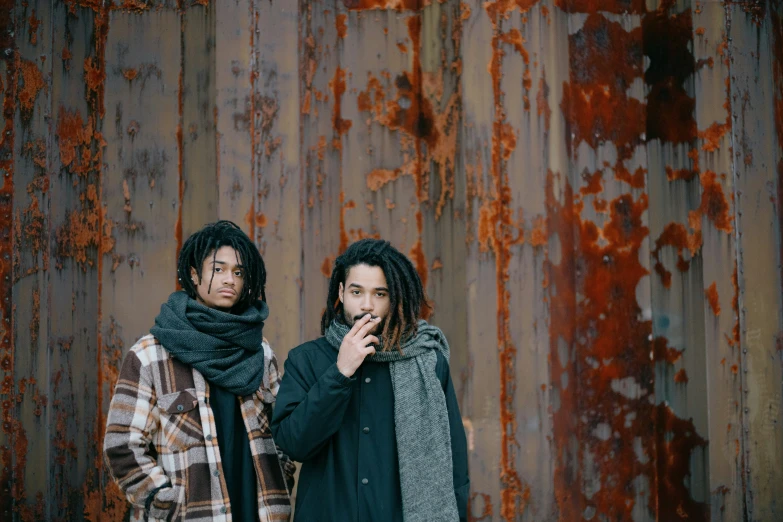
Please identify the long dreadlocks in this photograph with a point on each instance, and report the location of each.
(406, 293)
(206, 242)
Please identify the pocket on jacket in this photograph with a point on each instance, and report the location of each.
(169, 504)
(180, 420)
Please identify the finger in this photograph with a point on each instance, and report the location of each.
(370, 339)
(369, 350)
(358, 324)
(365, 329)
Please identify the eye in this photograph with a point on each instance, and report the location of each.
(217, 269)
(381, 294)
(355, 292)
(238, 273)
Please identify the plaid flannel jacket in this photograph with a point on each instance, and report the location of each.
(160, 448)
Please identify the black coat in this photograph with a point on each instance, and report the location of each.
(342, 431)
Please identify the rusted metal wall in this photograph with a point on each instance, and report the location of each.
(590, 190)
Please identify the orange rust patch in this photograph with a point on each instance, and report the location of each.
(714, 204)
(94, 75)
(337, 84)
(261, 220)
(681, 377)
(130, 74)
(33, 83)
(675, 235)
(326, 267)
(712, 297)
(595, 102)
(539, 234)
(593, 183)
(340, 25)
(397, 5)
(34, 23)
(635, 180)
(380, 177)
(712, 135)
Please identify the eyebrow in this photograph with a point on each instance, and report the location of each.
(216, 262)
(357, 285)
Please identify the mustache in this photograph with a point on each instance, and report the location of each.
(357, 317)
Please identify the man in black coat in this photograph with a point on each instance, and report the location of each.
(369, 408)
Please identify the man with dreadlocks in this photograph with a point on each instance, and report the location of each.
(369, 409)
(187, 436)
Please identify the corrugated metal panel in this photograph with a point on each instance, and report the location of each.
(590, 190)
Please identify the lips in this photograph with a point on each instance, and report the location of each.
(227, 292)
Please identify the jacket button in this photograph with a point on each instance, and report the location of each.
(216, 473)
(365, 481)
(367, 380)
(366, 430)
(223, 510)
(209, 437)
(180, 407)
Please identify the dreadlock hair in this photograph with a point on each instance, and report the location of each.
(406, 293)
(206, 242)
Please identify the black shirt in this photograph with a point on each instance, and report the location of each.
(342, 430)
(237, 461)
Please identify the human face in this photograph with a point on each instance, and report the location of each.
(365, 292)
(226, 274)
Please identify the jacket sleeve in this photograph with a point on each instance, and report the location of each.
(273, 379)
(310, 410)
(132, 421)
(459, 443)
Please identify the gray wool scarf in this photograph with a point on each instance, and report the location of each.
(421, 423)
(226, 348)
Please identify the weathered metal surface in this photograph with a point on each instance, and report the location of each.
(591, 192)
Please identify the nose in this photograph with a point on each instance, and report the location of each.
(229, 280)
(367, 305)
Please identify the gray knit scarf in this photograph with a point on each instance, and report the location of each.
(421, 423)
(226, 348)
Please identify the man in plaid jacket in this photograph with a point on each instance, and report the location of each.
(187, 436)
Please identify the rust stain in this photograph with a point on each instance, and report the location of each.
(33, 83)
(610, 6)
(542, 102)
(605, 63)
(714, 204)
(397, 5)
(340, 25)
(33, 24)
(670, 110)
(496, 232)
(676, 440)
(340, 125)
(9, 83)
(607, 268)
(712, 297)
(486, 507)
(675, 235)
(326, 267)
(681, 377)
(431, 133)
(130, 74)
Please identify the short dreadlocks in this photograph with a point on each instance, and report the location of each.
(206, 242)
(406, 293)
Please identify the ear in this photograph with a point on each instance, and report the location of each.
(341, 293)
(194, 275)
